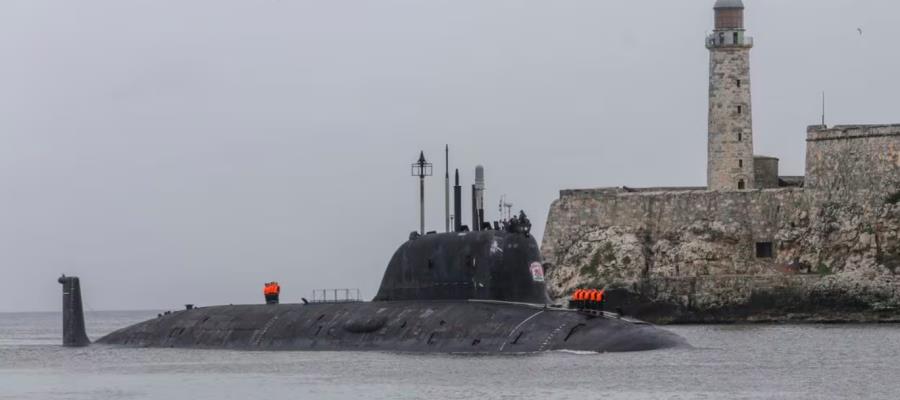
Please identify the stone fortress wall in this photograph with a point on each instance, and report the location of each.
(855, 162)
(693, 255)
(752, 245)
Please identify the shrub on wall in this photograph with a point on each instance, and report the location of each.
(894, 198)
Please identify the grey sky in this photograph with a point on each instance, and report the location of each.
(174, 152)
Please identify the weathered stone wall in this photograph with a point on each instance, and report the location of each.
(692, 233)
(690, 256)
(854, 162)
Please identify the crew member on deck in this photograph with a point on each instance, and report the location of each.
(271, 291)
(573, 302)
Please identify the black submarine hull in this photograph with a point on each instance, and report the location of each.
(460, 292)
(473, 326)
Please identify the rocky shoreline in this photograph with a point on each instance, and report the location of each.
(794, 303)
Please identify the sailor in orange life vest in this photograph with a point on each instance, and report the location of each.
(271, 291)
(597, 299)
(579, 299)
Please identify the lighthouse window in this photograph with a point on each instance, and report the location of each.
(740, 137)
(738, 83)
(740, 109)
(735, 38)
(741, 185)
(740, 163)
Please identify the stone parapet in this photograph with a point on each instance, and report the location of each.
(614, 191)
(817, 133)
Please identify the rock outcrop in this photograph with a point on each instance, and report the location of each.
(679, 261)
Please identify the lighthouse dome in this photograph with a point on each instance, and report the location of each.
(729, 4)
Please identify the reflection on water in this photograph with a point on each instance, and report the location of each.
(746, 362)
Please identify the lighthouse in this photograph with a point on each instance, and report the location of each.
(730, 153)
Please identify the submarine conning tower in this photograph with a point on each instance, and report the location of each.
(494, 265)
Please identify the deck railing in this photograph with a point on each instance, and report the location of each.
(714, 40)
(335, 296)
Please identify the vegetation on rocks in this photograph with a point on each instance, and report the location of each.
(894, 198)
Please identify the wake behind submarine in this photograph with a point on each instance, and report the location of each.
(458, 292)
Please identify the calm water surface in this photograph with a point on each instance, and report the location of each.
(728, 362)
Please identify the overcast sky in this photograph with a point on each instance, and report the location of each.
(173, 152)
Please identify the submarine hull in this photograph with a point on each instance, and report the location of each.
(397, 326)
(460, 292)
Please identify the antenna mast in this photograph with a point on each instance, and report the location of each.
(447, 188)
(421, 169)
(508, 206)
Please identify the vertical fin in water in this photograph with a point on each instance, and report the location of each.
(74, 334)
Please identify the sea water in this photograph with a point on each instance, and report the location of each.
(726, 362)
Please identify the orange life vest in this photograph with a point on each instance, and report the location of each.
(271, 289)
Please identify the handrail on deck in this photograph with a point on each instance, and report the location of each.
(335, 296)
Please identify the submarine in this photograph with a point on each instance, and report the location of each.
(458, 292)
(479, 291)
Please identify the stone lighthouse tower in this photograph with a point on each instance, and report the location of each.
(730, 162)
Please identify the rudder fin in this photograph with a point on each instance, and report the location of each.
(74, 334)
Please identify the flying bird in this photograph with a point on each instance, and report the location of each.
(860, 31)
